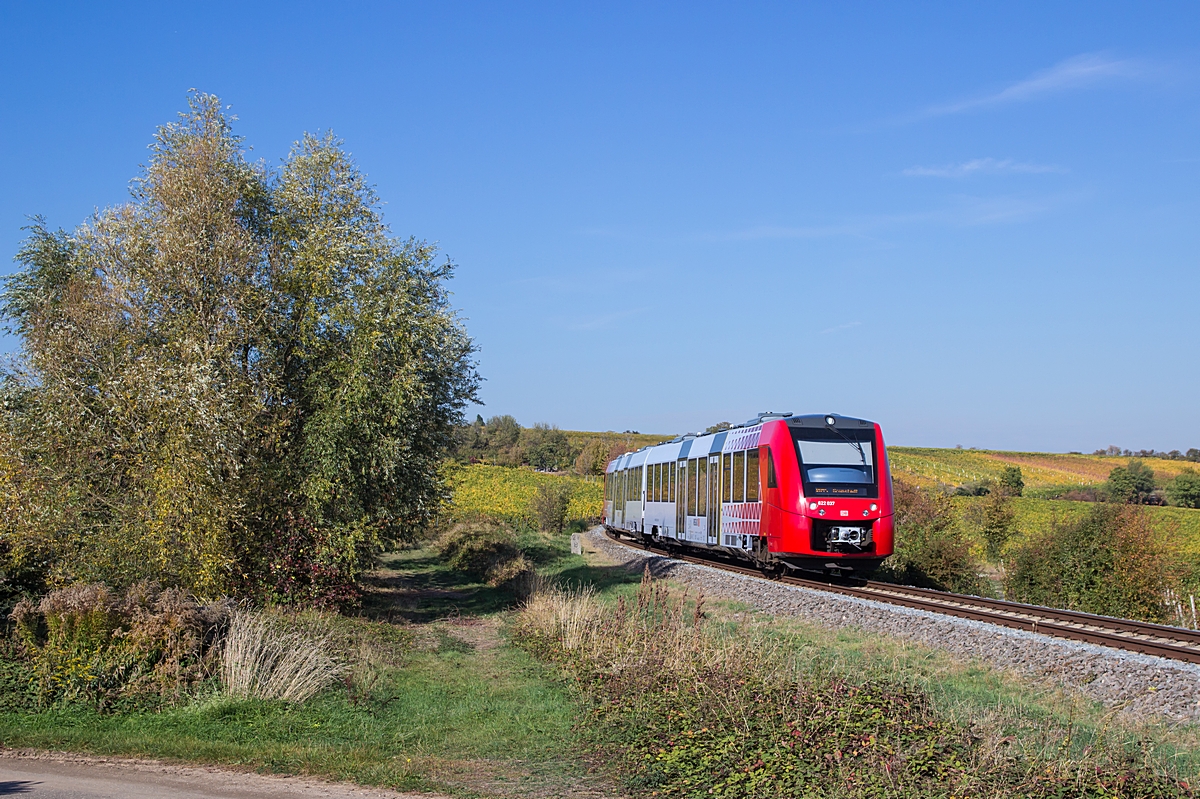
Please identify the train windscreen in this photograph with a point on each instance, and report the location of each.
(836, 462)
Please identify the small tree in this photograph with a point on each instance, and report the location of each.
(593, 457)
(238, 382)
(1011, 482)
(1132, 483)
(929, 551)
(1184, 490)
(550, 505)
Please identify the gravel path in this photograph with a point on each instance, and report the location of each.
(1139, 685)
(59, 775)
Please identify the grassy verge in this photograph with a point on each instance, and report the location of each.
(745, 705)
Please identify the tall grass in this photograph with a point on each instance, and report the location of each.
(263, 659)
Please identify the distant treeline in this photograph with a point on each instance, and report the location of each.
(1131, 484)
(502, 441)
(1192, 454)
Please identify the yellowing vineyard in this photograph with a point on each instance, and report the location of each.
(953, 467)
(500, 492)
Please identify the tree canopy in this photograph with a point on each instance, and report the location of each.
(1132, 483)
(237, 382)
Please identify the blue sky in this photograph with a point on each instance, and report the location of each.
(973, 223)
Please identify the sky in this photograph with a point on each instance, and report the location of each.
(973, 223)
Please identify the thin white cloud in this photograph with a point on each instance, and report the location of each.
(962, 211)
(603, 320)
(1073, 73)
(980, 166)
(835, 329)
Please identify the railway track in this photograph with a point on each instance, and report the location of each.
(1174, 643)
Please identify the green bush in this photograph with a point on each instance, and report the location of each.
(550, 505)
(930, 550)
(1011, 481)
(1132, 483)
(1184, 490)
(1110, 562)
(485, 550)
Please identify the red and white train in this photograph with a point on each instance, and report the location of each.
(799, 492)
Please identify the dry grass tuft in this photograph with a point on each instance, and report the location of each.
(263, 659)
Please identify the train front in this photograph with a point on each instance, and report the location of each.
(828, 507)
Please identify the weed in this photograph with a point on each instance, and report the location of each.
(87, 643)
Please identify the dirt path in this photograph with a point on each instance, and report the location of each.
(52, 775)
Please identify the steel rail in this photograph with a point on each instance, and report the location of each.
(1174, 643)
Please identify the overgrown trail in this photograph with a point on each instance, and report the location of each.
(483, 717)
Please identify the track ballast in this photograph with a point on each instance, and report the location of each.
(1174, 643)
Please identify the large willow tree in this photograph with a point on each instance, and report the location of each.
(238, 382)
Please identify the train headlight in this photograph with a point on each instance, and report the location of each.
(812, 506)
(829, 420)
(874, 506)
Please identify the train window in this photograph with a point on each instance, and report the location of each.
(658, 482)
(669, 474)
(739, 477)
(674, 482)
(691, 486)
(702, 494)
(752, 475)
(771, 481)
(727, 476)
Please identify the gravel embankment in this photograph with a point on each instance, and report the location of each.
(1138, 685)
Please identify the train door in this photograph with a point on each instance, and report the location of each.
(680, 497)
(714, 498)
